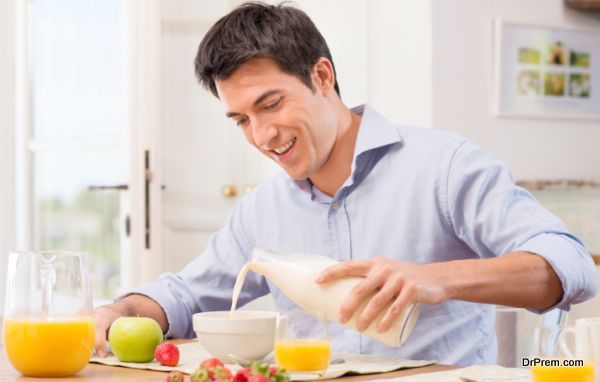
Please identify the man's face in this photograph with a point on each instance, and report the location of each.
(281, 116)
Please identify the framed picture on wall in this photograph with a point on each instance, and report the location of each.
(546, 72)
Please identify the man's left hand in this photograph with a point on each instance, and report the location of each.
(385, 281)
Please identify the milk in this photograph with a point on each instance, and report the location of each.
(237, 288)
(295, 275)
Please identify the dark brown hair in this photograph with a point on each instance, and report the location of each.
(280, 32)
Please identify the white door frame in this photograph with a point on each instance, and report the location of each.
(144, 261)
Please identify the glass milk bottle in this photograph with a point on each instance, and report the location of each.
(295, 275)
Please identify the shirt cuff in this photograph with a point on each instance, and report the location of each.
(178, 318)
(571, 263)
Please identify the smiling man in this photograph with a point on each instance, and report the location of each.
(421, 215)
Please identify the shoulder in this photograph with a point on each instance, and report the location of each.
(275, 184)
(427, 145)
(261, 201)
(441, 144)
(269, 191)
(428, 138)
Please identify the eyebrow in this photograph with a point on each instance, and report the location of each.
(261, 98)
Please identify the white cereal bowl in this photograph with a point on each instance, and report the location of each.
(247, 335)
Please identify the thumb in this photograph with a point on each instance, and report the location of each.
(100, 343)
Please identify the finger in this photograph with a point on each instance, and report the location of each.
(361, 291)
(348, 268)
(407, 295)
(103, 317)
(100, 341)
(379, 301)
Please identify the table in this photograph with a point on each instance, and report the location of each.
(97, 372)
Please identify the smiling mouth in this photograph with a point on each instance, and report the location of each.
(285, 147)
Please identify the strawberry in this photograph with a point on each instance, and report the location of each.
(261, 372)
(167, 354)
(175, 376)
(242, 375)
(218, 373)
(209, 363)
(221, 373)
(280, 376)
(259, 367)
(258, 378)
(212, 370)
(200, 375)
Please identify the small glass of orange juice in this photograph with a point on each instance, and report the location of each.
(302, 342)
(48, 317)
(562, 370)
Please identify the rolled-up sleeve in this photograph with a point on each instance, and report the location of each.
(572, 264)
(494, 217)
(206, 283)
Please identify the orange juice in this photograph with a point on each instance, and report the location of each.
(50, 347)
(302, 354)
(583, 373)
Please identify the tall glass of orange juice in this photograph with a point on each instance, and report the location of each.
(48, 318)
(302, 342)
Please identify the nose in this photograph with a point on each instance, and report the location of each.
(263, 134)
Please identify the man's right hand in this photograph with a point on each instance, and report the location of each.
(104, 316)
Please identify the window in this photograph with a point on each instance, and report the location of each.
(77, 134)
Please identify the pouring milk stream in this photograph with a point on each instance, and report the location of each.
(295, 275)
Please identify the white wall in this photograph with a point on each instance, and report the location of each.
(462, 90)
(347, 38)
(400, 61)
(7, 153)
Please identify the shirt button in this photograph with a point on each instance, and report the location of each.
(336, 206)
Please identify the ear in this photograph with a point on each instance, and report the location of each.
(323, 76)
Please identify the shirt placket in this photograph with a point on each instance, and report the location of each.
(339, 222)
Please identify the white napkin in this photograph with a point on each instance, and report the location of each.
(192, 353)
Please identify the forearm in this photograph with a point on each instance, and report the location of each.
(519, 279)
(143, 306)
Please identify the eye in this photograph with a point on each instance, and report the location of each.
(241, 121)
(272, 105)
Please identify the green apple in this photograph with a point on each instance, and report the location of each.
(134, 339)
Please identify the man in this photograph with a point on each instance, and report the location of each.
(421, 215)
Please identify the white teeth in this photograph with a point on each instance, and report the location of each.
(284, 148)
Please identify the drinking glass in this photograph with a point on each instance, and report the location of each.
(562, 373)
(302, 342)
(523, 335)
(48, 317)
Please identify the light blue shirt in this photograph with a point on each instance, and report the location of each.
(416, 195)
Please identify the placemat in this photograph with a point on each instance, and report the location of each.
(192, 353)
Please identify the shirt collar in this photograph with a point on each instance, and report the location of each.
(375, 131)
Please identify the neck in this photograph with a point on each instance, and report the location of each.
(330, 178)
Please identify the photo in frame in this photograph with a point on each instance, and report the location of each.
(546, 72)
